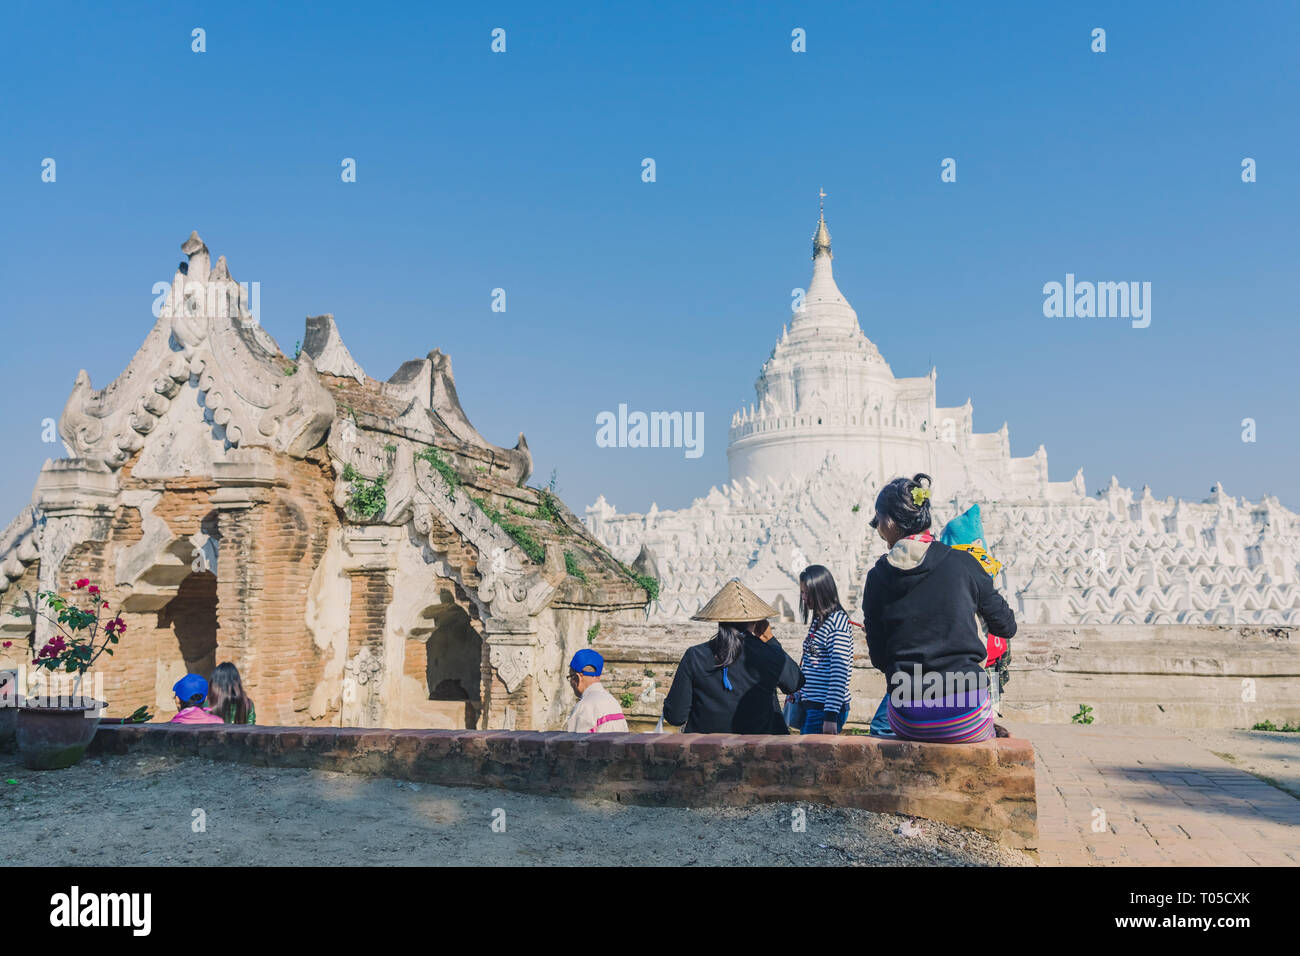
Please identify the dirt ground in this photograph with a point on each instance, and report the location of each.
(131, 810)
(1274, 757)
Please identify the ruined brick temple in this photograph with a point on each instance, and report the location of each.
(355, 546)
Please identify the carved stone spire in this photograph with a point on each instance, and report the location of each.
(197, 251)
(822, 239)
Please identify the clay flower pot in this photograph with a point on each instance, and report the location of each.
(52, 738)
(8, 728)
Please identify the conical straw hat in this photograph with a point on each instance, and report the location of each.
(735, 602)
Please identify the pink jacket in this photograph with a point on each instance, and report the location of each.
(195, 715)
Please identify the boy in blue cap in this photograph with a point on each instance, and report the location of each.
(597, 712)
(191, 690)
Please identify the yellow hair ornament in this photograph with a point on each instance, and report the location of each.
(920, 496)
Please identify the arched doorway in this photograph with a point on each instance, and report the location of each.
(453, 656)
(192, 617)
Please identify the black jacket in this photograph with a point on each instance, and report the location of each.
(925, 615)
(699, 700)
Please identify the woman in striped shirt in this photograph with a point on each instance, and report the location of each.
(827, 653)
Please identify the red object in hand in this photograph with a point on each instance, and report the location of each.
(997, 646)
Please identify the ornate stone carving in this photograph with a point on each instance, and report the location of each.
(324, 344)
(512, 662)
(205, 332)
(19, 546)
(513, 588)
(445, 403)
(362, 678)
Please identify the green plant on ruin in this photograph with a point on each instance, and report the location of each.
(1286, 728)
(366, 496)
(571, 566)
(626, 699)
(857, 508)
(548, 503)
(140, 715)
(649, 673)
(518, 533)
(592, 632)
(651, 585)
(441, 465)
(648, 583)
(1084, 716)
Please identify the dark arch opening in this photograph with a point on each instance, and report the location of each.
(453, 656)
(192, 616)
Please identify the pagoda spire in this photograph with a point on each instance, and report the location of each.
(822, 239)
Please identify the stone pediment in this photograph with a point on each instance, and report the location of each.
(418, 403)
(206, 345)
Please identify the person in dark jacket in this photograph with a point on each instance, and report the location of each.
(728, 685)
(921, 609)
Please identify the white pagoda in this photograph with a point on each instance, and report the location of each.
(831, 423)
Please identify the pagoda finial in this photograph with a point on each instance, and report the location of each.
(822, 240)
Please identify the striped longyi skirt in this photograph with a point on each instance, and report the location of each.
(952, 721)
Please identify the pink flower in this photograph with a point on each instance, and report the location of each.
(81, 583)
(105, 604)
(54, 648)
(94, 589)
(115, 626)
(7, 644)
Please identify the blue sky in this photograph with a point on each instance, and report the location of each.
(522, 171)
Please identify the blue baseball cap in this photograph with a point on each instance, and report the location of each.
(587, 662)
(191, 689)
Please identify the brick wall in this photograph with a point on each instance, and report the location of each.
(371, 594)
(280, 544)
(987, 786)
(267, 556)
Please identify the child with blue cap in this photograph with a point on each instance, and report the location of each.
(597, 712)
(191, 690)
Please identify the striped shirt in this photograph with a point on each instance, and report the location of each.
(827, 661)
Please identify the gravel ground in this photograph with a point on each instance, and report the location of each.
(132, 810)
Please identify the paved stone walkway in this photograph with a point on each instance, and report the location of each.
(1153, 796)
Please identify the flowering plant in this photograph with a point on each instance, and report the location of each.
(82, 632)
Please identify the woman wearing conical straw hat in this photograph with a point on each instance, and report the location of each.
(728, 684)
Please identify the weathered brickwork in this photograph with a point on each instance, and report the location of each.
(987, 786)
(371, 592)
(286, 537)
